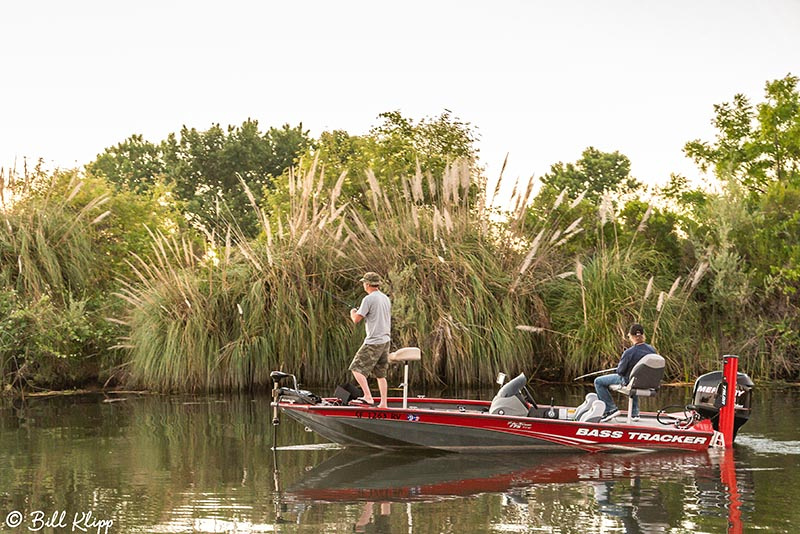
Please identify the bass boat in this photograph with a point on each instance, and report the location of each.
(514, 421)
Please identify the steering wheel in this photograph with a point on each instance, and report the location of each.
(526, 394)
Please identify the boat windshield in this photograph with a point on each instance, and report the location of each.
(513, 387)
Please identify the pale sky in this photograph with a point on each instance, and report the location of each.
(540, 80)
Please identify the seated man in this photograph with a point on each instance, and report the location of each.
(629, 358)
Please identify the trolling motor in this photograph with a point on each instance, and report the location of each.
(292, 394)
(276, 377)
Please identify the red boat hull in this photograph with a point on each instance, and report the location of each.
(467, 426)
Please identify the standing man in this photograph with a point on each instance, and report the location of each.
(373, 356)
(629, 358)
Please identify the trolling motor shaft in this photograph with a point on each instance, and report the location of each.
(276, 377)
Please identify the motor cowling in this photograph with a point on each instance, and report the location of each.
(707, 398)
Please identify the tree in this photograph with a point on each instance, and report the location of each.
(133, 164)
(755, 146)
(434, 142)
(595, 173)
(205, 168)
(392, 150)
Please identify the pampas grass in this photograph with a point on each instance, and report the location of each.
(277, 302)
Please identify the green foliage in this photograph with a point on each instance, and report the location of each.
(434, 143)
(755, 146)
(457, 289)
(48, 267)
(63, 242)
(203, 169)
(656, 229)
(707, 271)
(134, 164)
(593, 175)
(608, 291)
(44, 343)
(393, 150)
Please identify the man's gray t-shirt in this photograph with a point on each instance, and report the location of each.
(377, 312)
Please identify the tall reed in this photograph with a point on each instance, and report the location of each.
(225, 317)
(47, 267)
(613, 288)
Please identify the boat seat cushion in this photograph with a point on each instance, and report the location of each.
(645, 378)
(406, 354)
(595, 413)
(585, 406)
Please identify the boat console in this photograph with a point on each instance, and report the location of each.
(513, 398)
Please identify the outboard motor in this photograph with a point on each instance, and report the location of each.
(509, 399)
(707, 398)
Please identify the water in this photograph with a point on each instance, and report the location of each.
(138, 463)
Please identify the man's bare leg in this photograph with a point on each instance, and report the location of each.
(383, 386)
(362, 382)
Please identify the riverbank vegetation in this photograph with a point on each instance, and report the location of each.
(209, 259)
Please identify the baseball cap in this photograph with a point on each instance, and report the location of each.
(373, 279)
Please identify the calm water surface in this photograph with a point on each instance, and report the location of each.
(130, 463)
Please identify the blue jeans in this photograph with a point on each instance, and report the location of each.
(601, 384)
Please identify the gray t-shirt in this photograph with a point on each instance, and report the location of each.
(377, 312)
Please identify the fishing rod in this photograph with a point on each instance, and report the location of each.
(334, 297)
(595, 373)
(330, 294)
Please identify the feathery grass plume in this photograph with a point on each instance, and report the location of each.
(673, 288)
(521, 207)
(577, 200)
(568, 237)
(606, 209)
(526, 263)
(416, 184)
(639, 229)
(579, 274)
(375, 188)
(499, 181)
(571, 228)
(698, 274)
(448, 221)
(661, 299)
(649, 290)
(645, 217)
(559, 198)
(337, 191)
(457, 309)
(449, 185)
(534, 329)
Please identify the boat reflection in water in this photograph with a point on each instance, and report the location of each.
(627, 487)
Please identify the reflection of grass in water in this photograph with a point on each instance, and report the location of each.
(140, 460)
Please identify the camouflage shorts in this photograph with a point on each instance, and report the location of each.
(372, 359)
